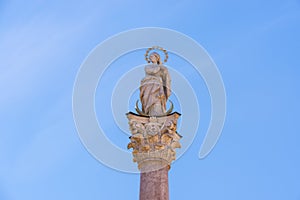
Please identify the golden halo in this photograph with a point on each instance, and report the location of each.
(159, 48)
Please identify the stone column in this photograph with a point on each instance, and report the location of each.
(153, 141)
(154, 185)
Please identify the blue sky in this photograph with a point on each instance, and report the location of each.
(255, 45)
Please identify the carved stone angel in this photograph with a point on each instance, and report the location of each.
(155, 87)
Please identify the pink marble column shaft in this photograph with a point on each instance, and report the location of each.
(154, 185)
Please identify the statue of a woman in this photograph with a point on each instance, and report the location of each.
(155, 87)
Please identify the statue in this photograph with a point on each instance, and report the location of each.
(155, 87)
(154, 130)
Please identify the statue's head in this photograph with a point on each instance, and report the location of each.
(155, 58)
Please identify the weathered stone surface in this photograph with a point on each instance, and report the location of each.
(154, 185)
(153, 140)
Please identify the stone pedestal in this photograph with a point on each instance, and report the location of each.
(154, 140)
